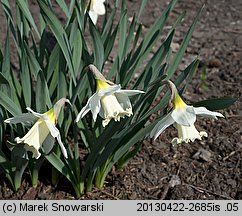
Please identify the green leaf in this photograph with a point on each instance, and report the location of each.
(6, 58)
(60, 166)
(41, 93)
(123, 29)
(216, 103)
(98, 49)
(60, 35)
(9, 105)
(178, 57)
(76, 41)
(26, 80)
(25, 10)
(142, 6)
(3, 79)
(64, 7)
(33, 63)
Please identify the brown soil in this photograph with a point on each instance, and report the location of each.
(207, 169)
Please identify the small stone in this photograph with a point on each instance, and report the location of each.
(175, 180)
(202, 154)
(215, 63)
(133, 196)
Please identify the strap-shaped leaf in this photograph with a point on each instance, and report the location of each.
(178, 57)
(26, 80)
(8, 104)
(41, 93)
(98, 49)
(216, 103)
(64, 7)
(25, 10)
(60, 35)
(3, 79)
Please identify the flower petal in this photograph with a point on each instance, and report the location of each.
(53, 130)
(109, 91)
(22, 118)
(95, 106)
(93, 15)
(92, 101)
(124, 101)
(99, 7)
(56, 134)
(63, 149)
(130, 92)
(184, 116)
(187, 134)
(38, 115)
(161, 126)
(207, 113)
(35, 137)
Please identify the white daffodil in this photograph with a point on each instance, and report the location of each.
(183, 117)
(97, 8)
(43, 132)
(109, 100)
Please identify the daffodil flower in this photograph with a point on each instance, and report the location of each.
(109, 100)
(183, 117)
(43, 132)
(97, 8)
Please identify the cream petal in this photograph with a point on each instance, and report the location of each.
(53, 130)
(99, 7)
(187, 134)
(95, 106)
(83, 112)
(38, 115)
(22, 118)
(35, 137)
(63, 149)
(93, 15)
(124, 101)
(112, 109)
(109, 91)
(92, 102)
(184, 116)
(56, 134)
(130, 92)
(161, 126)
(207, 113)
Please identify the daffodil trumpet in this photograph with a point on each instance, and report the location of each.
(109, 100)
(44, 131)
(183, 117)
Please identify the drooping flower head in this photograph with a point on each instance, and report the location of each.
(183, 117)
(97, 8)
(109, 100)
(43, 133)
